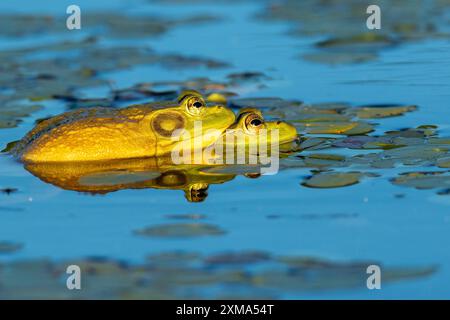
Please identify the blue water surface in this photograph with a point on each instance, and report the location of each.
(409, 231)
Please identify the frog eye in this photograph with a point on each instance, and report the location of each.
(195, 105)
(254, 122)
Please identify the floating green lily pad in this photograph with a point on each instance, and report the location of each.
(333, 179)
(341, 128)
(324, 160)
(382, 111)
(423, 180)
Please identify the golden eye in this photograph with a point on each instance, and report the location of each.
(254, 122)
(195, 105)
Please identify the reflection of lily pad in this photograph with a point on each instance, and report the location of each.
(332, 179)
(181, 230)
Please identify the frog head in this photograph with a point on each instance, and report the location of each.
(251, 124)
(190, 121)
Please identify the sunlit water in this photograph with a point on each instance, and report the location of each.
(410, 231)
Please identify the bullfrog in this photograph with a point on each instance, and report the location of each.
(137, 131)
(251, 123)
(250, 135)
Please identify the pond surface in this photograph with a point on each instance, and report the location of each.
(287, 235)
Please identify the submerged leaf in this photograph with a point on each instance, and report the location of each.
(181, 230)
(9, 247)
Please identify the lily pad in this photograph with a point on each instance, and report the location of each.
(423, 180)
(324, 160)
(382, 111)
(341, 128)
(347, 40)
(333, 179)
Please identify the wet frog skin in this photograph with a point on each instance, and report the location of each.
(138, 131)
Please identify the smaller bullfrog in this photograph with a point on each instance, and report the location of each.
(138, 131)
(251, 135)
(250, 123)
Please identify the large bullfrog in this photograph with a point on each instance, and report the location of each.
(138, 131)
(148, 130)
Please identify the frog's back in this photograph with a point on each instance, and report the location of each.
(87, 134)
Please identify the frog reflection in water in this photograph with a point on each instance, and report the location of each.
(158, 173)
(107, 164)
